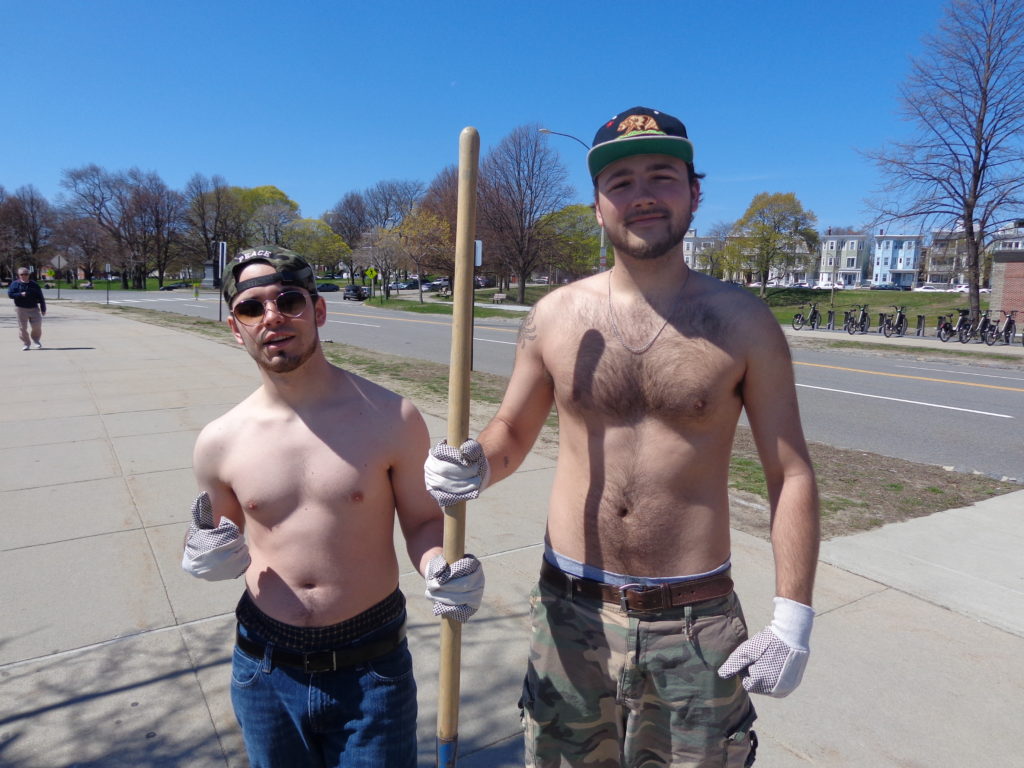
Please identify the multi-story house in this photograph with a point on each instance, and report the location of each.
(945, 258)
(696, 250)
(897, 259)
(844, 259)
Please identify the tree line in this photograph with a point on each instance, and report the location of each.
(961, 170)
(134, 222)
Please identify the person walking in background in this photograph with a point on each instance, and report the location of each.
(30, 306)
(321, 674)
(639, 651)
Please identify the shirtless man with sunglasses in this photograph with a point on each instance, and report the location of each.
(321, 619)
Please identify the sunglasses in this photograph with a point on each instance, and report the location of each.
(288, 303)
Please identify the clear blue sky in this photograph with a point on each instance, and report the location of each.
(321, 98)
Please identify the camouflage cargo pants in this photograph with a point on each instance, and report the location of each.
(605, 689)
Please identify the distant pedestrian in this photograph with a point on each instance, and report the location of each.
(30, 304)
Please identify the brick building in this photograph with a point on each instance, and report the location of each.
(1008, 270)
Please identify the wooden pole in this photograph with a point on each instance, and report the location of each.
(458, 432)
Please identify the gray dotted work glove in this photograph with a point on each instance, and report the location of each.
(772, 662)
(213, 553)
(456, 589)
(456, 474)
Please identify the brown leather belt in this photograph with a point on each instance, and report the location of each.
(638, 597)
(324, 661)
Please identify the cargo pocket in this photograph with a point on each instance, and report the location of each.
(741, 744)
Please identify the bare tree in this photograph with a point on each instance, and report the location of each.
(442, 198)
(7, 250)
(136, 208)
(349, 220)
(388, 202)
(521, 181)
(386, 256)
(162, 216)
(85, 243)
(95, 194)
(213, 215)
(964, 168)
(30, 220)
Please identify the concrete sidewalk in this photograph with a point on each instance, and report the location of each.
(111, 656)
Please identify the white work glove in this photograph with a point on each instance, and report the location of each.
(456, 589)
(213, 553)
(456, 474)
(772, 661)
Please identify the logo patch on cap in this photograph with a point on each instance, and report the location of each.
(635, 124)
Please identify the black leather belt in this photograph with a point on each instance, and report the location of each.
(324, 661)
(638, 597)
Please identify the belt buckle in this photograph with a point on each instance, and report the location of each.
(315, 662)
(624, 594)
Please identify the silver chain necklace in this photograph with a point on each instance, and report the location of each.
(615, 327)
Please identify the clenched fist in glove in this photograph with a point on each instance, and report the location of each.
(456, 589)
(213, 552)
(456, 474)
(772, 661)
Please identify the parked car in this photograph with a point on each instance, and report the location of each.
(327, 287)
(172, 286)
(928, 288)
(885, 287)
(827, 286)
(483, 281)
(356, 292)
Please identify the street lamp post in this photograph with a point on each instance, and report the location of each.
(603, 260)
(567, 135)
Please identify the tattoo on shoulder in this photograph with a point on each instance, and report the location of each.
(528, 330)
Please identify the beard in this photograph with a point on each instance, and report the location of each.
(285, 362)
(657, 244)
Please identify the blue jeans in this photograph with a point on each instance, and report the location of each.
(359, 717)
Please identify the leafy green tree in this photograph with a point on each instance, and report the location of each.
(572, 240)
(427, 242)
(316, 242)
(775, 235)
(266, 211)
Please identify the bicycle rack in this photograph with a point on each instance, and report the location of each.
(831, 324)
(881, 321)
(920, 326)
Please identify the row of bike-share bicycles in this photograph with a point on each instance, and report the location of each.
(982, 328)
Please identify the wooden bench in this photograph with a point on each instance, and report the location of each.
(498, 298)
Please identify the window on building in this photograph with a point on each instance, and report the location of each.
(851, 261)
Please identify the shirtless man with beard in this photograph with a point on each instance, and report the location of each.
(313, 467)
(639, 651)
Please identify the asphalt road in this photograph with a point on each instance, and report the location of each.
(960, 413)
